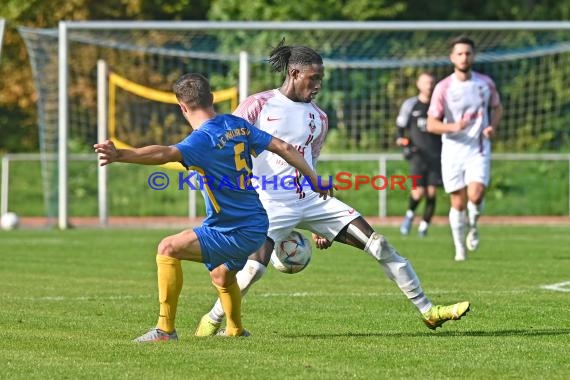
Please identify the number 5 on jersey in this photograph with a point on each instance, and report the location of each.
(241, 165)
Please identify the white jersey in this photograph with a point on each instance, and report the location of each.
(468, 100)
(303, 125)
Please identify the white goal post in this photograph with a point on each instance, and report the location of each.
(2, 26)
(65, 27)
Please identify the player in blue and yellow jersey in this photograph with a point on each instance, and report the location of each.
(236, 224)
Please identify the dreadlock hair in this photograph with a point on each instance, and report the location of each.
(282, 56)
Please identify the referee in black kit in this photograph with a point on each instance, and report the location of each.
(423, 150)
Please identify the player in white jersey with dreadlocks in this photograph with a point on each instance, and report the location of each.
(290, 114)
(459, 110)
(303, 125)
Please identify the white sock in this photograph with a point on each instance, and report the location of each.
(251, 272)
(398, 269)
(473, 212)
(423, 226)
(457, 224)
(409, 214)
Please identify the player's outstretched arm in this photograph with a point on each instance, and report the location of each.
(148, 155)
(294, 158)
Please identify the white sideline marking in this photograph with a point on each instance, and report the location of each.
(388, 294)
(82, 298)
(558, 287)
(279, 294)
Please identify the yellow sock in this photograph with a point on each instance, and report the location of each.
(230, 297)
(169, 286)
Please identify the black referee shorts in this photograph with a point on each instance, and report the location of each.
(428, 168)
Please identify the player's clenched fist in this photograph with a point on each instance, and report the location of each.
(107, 152)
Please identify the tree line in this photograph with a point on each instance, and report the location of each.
(18, 113)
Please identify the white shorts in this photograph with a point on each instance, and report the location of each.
(457, 173)
(322, 217)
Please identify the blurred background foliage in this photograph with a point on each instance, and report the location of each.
(18, 114)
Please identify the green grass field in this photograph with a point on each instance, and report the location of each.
(73, 300)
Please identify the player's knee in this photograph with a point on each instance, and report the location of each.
(165, 248)
(458, 203)
(217, 279)
(222, 278)
(476, 198)
(418, 193)
(476, 192)
(380, 249)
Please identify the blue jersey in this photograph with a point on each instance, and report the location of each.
(220, 152)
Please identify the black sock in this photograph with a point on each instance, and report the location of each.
(413, 203)
(430, 209)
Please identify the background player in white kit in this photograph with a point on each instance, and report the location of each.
(290, 114)
(459, 109)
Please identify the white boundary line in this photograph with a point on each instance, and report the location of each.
(2, 27)
(263, 295)
(558, 287)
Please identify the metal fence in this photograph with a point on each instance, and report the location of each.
(382, 160)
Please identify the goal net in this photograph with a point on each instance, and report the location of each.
(370, 69)
(139, 115)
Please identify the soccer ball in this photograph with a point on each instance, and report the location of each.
(293, 254)
(9, 221)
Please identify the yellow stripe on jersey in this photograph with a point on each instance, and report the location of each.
(200, 171)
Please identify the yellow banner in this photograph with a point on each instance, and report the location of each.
(116, 80)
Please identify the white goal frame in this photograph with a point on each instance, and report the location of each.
(63, 55)
(2, 27)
